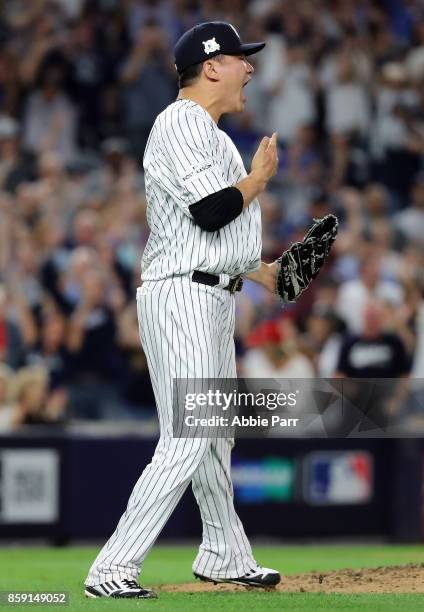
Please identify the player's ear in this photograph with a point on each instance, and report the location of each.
(211, 69)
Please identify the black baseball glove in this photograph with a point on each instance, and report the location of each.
(301, 263)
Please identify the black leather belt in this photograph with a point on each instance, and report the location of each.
(205, 278)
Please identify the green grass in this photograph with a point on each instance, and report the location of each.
(64, 569)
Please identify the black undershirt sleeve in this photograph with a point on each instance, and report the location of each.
(218, 209)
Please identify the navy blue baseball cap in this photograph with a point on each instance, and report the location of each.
(207, 40)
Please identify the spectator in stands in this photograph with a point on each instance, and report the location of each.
(396, 141)
(34, 405)
(24, 275)
(50, 120)
(86, 228)
(376, 201)
(10, 86)
(292, 101)
(14, 167)
(81, 261)
(354, 294)
(55, 259)
(410, 222)
(415, 57)
(88, 63)
(96, 362)
(347, 103)
(51, 351)
(118, 168)
(7, 409)
(303, 161)
(161, 12)
(273, 352)
(374, 352)
(137, 390)
(149, 82)
(17, 332)
(323, 339)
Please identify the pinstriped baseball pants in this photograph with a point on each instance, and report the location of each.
(186, 330)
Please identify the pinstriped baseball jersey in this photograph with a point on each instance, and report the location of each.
(188, 158)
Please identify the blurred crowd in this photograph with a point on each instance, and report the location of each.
(81, 82)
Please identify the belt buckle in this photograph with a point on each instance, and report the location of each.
(235, 284)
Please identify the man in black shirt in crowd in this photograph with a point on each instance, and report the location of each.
(375, 353)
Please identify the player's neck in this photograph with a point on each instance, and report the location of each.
(213, 107)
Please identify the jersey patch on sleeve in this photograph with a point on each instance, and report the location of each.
(197, 169)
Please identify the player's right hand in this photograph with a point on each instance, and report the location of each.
(265, 160)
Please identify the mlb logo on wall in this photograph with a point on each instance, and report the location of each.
(338, 477)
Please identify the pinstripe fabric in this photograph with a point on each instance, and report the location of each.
(186, 331)
(188, 158)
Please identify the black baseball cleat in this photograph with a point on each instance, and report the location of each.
(258, 577)
(120, 589)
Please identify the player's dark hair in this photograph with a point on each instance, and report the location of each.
(192, 73)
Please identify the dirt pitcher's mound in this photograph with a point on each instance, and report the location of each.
(396, 579)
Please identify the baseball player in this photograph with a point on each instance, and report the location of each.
(205, 225)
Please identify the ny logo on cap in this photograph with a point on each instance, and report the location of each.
(211, 45)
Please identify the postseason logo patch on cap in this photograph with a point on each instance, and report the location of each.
(211, 45)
